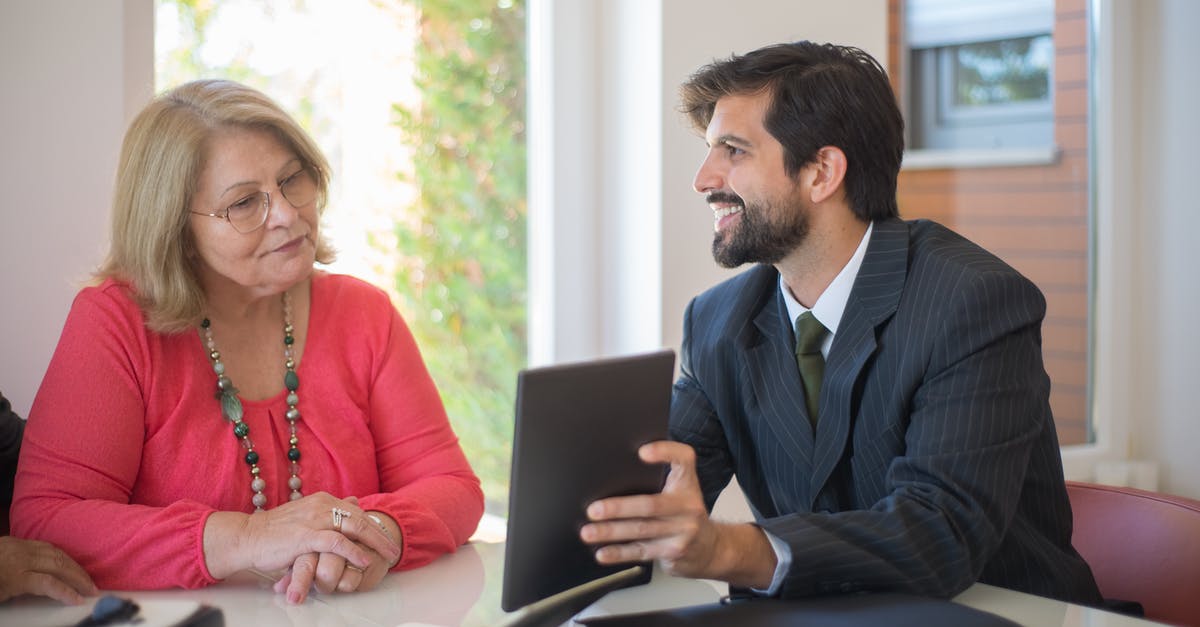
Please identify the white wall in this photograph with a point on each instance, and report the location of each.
(1166, 218)
(71, 79)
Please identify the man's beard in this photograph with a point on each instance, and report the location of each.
(756, 239)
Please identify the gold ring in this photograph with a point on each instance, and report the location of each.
(354, 568)
(339, 515)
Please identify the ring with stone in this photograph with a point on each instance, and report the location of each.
(339, 514)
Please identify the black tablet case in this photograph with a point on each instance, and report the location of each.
(578, 428)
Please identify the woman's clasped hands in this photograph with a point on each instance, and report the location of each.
(315, 540)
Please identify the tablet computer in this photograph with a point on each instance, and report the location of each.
(577, 431)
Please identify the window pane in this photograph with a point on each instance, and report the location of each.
(1000, 72)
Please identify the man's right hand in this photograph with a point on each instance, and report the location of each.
(673, 528)
(32, 567)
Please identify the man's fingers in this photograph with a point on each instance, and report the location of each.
(631, 529)
(51, 572)
(667, 452)
(51, 586)
(644, 551)
(680, 457)
(60, 567)
(646, 506)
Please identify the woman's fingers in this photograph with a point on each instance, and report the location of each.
(363, 530)
(331, 569)
(352, 577)
(303, 572)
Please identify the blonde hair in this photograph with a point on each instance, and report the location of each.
(153, 248)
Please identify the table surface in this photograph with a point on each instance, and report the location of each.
(464, 589)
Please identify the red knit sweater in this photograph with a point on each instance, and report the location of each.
(126, 453)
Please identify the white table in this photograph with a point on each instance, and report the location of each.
(464, 589)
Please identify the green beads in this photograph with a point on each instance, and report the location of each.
(233, 411)
(231, 407)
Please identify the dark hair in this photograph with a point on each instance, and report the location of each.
(822, 95)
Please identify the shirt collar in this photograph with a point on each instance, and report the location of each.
(831, 304)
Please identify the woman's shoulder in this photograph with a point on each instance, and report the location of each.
(350, 302)
(347, 290)
(110, 299)
(107, 313)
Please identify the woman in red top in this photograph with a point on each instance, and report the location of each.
(216, 404)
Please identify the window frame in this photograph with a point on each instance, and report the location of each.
(1113, 407)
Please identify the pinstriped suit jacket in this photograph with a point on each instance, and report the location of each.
(935, 461)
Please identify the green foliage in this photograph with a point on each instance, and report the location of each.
(462, 278)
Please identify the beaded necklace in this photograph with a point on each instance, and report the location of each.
(231, 408)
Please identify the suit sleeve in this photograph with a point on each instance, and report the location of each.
(694, 422)
(973, 419)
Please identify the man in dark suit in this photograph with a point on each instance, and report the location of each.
(907, 442)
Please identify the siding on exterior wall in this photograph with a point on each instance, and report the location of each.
(1033, 217)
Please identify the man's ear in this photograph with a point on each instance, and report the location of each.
(827, 170)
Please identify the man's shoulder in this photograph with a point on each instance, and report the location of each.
(947, 267)
(931, 242)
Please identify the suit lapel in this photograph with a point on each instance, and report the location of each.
(772, 372)
(873, 299)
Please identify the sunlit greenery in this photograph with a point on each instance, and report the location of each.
(464, 257)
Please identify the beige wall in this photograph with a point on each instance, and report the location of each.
(72, 74)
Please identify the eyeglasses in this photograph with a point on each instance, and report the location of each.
(249, 213)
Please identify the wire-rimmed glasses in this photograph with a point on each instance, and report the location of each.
(250, 212)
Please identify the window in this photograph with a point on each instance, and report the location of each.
(420, 107)
(1002, 66)
(982, 74)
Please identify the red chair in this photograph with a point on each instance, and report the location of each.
(1142, 546)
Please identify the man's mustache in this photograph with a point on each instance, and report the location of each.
(724, 197)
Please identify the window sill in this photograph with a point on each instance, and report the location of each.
(930, 159)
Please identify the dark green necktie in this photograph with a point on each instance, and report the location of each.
(809, 334)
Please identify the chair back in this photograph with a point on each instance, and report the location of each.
(1142, 546)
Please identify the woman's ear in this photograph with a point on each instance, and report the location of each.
(828, 171)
